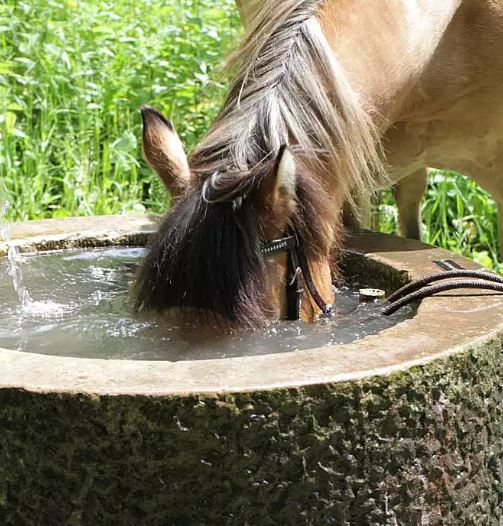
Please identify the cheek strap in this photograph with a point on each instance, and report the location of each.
(297, 264)
(294, 289)
(327, 309)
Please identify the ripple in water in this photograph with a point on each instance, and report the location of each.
(77, 304)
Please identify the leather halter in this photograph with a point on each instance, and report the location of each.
(297, 265)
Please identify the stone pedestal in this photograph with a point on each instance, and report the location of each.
(401, 428)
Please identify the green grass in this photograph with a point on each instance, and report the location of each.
(457, 215)
(73, 76)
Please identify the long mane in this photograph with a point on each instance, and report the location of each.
(289, 89)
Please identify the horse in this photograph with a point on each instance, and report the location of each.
(482, 164)
(330, 99)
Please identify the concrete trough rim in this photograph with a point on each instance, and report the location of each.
(475, 321)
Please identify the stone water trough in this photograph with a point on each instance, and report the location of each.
(401, 428)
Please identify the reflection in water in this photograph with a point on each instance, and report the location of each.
(78, 305)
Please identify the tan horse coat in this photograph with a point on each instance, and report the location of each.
(432, 73)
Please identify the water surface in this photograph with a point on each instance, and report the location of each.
(76, 303)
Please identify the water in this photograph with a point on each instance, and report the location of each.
(13, 256)
(76, 303)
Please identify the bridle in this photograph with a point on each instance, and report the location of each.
(417, 290)
(297, 264)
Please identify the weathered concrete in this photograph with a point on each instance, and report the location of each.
(401, 428)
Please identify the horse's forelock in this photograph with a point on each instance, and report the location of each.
(206, 259)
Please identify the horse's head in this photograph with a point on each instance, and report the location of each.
(212, 256)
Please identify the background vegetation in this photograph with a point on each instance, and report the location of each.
(73, 76)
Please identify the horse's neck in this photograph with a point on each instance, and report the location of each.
(384, 46)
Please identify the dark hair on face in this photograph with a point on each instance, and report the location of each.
(206, 257)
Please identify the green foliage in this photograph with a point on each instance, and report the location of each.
(457, 215)
(73, 76)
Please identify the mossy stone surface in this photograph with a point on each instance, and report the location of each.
(404, 428)
(422, 446)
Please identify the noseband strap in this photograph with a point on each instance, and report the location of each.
(285, 244)
(297, 264)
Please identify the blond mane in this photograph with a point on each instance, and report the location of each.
(289, 88)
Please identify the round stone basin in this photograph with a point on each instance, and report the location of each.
(84, 296)
(402, 427)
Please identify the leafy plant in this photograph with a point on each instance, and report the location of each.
(73, 76)
(457, 215)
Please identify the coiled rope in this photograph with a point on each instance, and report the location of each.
(420, 289)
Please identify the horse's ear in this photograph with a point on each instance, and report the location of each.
(285, 187)
(163, 150)
(280, 188)
(277, 191)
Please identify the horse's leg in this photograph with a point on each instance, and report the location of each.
(493, 183)
(409, 194)
(357, 214)
(500, 229)
(360, 214)
(497, 195)
(239, 5)
(496, 190)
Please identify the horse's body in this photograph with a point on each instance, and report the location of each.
(336, 79)
(434, 72)
(453, 117)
